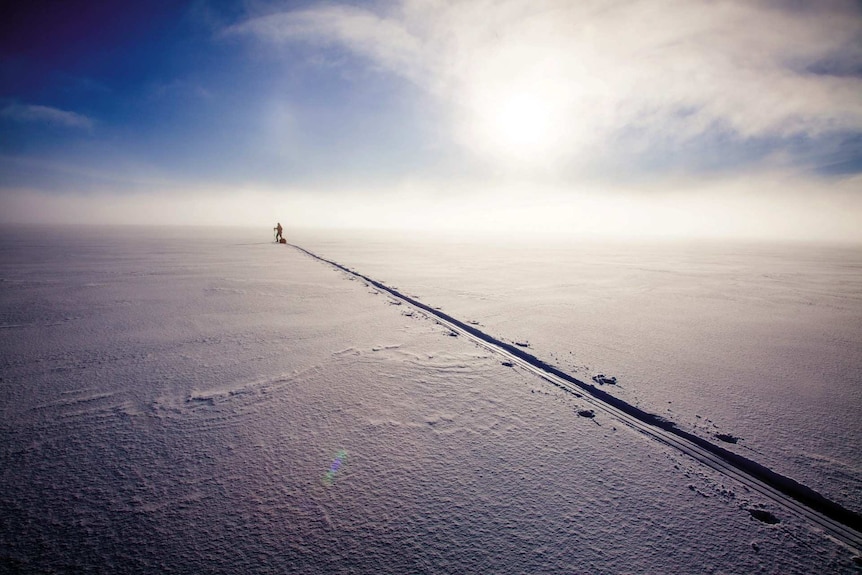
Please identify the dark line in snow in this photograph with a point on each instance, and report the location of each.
(715, 456)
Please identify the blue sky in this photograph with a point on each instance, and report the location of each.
(651, 117)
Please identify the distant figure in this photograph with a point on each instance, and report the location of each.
(278, 237)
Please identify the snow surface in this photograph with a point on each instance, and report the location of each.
(758, 342)
(172, 401)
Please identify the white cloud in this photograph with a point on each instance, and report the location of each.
(672, 68)
(46, 115)
(383, 41)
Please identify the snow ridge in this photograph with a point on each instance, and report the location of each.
(843, 524)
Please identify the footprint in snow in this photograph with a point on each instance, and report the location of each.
(765, 516)
(726, 437)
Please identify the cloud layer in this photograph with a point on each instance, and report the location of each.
(46, 115)
(646, 72)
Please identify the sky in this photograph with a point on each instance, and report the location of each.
(641, 118)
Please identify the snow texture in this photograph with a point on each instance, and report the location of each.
(758, 342)
(172, 401)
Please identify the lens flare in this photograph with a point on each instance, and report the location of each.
(337, 463)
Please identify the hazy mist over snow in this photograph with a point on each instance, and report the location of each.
(643, 118)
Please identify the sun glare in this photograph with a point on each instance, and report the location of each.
(521, 127)
(523, 123)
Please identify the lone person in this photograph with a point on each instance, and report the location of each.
(278, 229)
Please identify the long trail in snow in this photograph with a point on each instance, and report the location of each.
(837, 521)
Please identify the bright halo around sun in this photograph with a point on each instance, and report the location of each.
(521, 127)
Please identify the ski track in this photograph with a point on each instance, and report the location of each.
(837, 522)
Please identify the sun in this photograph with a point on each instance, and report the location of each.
(516, 104)
(518, 126)
(523, 123)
